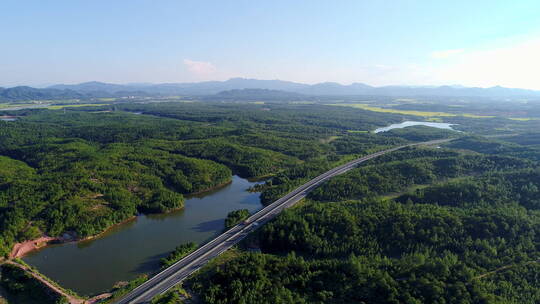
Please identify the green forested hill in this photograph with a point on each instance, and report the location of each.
(73, 185)
(460, 227)
(455, 224)
(85, 169)
(22, 93)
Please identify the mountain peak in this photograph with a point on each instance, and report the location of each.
(323, 88)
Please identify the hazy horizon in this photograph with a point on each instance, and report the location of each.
(411, 43)
(298, 82)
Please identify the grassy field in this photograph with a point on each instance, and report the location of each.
(432, 115)
(59, 107)
(50, 105)
(13, 105)
(394, 111)
(475, 116)
(412, 189)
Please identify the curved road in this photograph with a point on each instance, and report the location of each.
(182, 269)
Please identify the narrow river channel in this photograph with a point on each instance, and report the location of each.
(134, 248)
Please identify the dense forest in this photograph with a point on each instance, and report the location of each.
(451, 224)
(84, 169)
(177, 254)
(235, 217)
(456, 224)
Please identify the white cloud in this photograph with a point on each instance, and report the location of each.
(446, 53)
(514, 65)
(200, 68)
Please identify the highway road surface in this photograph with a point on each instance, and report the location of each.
(182, 269)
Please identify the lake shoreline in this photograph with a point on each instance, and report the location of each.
(211, 189)
(409, 123)
(125, 252)
(22, 249)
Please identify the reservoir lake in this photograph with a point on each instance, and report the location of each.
(135, 247)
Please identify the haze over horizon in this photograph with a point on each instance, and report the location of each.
(144, 83)
(139, 85)
(398, 43)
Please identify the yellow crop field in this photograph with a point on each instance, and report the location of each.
(394, 111)
(476, 116)
(407, 112)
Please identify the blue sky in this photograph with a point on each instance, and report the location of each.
(474, 43)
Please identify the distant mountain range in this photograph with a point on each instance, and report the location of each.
(23, 93)
(256, 95)
(28, 93)
(325, 88)
(288, 89)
